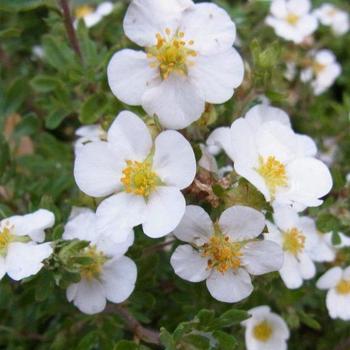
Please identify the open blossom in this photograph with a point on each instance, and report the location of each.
(110, 275)
(297, 235)
(337, 281)
(89, 133)
(92, 16)
(20, 254)
(330, 15)
(280, 163)
(291, 19)
(189, 60)
(322, 71)
(265, 330)
(224, 253)
(144, 178)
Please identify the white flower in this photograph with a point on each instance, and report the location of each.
(337, 281)
(224, 253)
(325, 250)
(278, 162)
(20, 255)
(265, 330)
(322, 72)
(93, 16)
(330, 15)
(88, 133)
(297, 236)
(143, 177)
(110, 276)
(189, 60)
(291, 19)
(38, 52)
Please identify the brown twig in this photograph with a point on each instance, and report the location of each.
(68, 22)
(147, 335)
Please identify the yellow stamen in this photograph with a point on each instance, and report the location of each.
(6, 237)
(343, 287)
(292, 19)
(293, 241)
(139, 178)
(262, 331)
(94, 269)
(171, 54)
(83, 11)
(223, 253)
(318, 67)
(274, 173)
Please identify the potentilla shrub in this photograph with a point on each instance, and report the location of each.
(175, 175)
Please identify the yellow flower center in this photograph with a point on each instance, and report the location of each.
(139, 178)
(332, 12)
(293, 241)
(6, 237)
(83, 11)
(274, 173)
(343, 287)
(292, 19)
(171, 53)
(94, 269)
(318, 67)
(262, 331)
(222, 252)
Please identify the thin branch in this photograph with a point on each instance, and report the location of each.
(147, 335)
(68, 22)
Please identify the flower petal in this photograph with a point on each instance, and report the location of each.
(285, 217)
(195, 227)
(130, 137)
(112, 246)
(130, 75)
(97, 169)
(290, 273)
(118, 279)
(33, 225)
(175, 101)
(241, 223)
(220, 138)
(25, 259)
(210, 27)
(330, 279)
(117, 214)
(174, 160)
(189, 265)
(164, 211)
(230, 287)
(216, 76)
(2, 267)
(261, 257)
(338, 305)
(306, 266)
(145, 18)
(87, 296)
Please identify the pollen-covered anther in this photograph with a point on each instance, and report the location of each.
(139, 178)
(6, 237)
(223, 254)
(171, 53)
(294, 241)
(92, 270)
(262, 331)
(343, 287)
(292, 19)
(273, 172)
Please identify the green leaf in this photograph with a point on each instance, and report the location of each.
(92, 109)
(126, 345)
(46, 83)
(167, 339)
(15, 96)
(55, 118)
(232, 317)
(308, 320)
(327, 222)
(336, 240)
(226, 341)
(9, 33)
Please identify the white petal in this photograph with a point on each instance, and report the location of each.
(230, 287)
(273, 234)
(87, 296)
(189, 265)
(216, 76)
(241, 223)
(117, 214)
(330, 279)
(97, 170)
(145, 18)
(25, 259)
(130, 137)
(2, 267)
(81, 226)
(290, 273)
(338, 305)
(220, 138)
(306, 146)
(174, 160)
(175, 101)
(105, 8)
(285, 217)
(299, 7)
(164, 211)
(130, 75)
(195, 227)
(259, 310)
(33, 225)
(323, 251)
(118, 279)
(261, 257)
(207, 160)
(278, 8)
(306, 266)
(112, 246)
(210, 27)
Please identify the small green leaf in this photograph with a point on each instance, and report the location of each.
(126, 345)
(309, 321)
(167, 339)
(92, 109)
(226, 341)
(232, 317)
